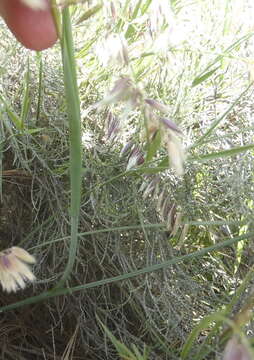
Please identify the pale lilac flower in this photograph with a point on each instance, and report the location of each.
(157, 105)
(135, 158)
(113, 11)
(171, 218)
(126, 148)
(148, 191)
(164, 207)
(14, 269)
(177, 223)
(175, 152)
(113, 126)
(151, 187)
(160, 201)
(170, 133)
(174, 145)
(170, 125)
(234, 350)
(112, 50)
(121, 91)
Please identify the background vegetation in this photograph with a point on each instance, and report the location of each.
(163, 261)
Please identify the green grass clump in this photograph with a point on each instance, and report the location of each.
(133, 260)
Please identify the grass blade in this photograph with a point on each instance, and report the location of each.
(221, 154)
(226, 52)
(218, 317)
(90, 12)
(26, 97)
(177, 260)
(199, 79)
(12, 114)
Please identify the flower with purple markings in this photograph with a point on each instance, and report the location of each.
(136, 158)
(14, 269)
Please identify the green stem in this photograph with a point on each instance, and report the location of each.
(38, 111)
(73, 111)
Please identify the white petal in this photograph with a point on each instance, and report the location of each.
(19, 279)
(18, 267)
(23, 255)
(8, 282)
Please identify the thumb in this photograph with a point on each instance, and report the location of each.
(34, 28)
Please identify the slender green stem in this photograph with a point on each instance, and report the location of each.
(38, 111)
(73, 110)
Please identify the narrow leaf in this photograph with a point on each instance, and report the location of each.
(90, 12)
(26, 96)
(145, 6)
(199, 79)
(222, 154)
